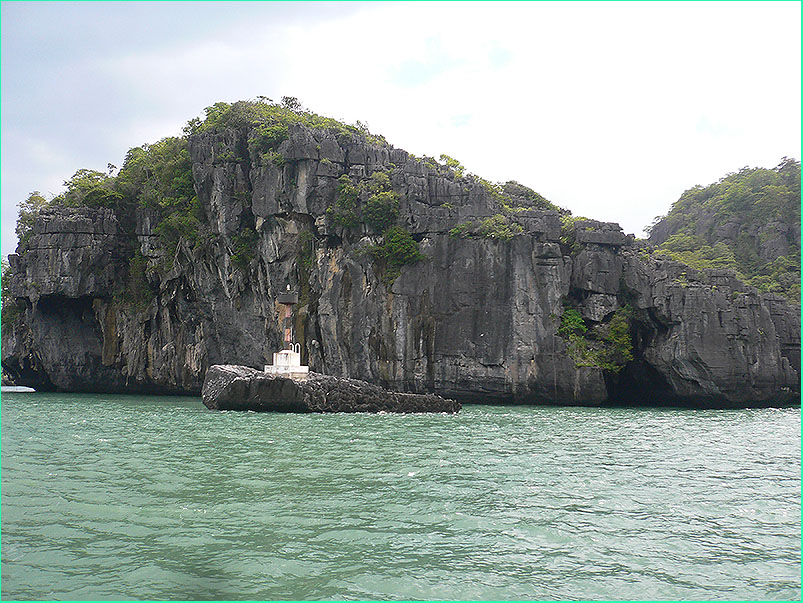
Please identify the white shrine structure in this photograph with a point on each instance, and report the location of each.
(287, 362)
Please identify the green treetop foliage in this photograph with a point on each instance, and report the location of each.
(749, 196)
(568, 235)
(158, 175)
(511, 197)
(728, 224)
(29, 209)
(10, 308)
(524, 196)
(381, 210)
(399, 248)
(498, 227)
(268, 122)
(617, 344)
(571, 323)
(454, 165)
(693, 251)
(379, 182)
(89, 188)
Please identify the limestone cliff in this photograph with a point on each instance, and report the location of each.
(478, 319)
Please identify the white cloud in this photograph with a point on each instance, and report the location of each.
(609, 109)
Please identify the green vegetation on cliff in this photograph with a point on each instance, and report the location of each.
(29, 208)
(159, 175)
(10, 308)
(398, 248)
(568, 235)
(372, 201)
(136, 292)
(510, 198)
(382, 206)
(607, 346)
(156, 176)
(244, 246)
(269, 122)
(344, 211)
(498, 226)
(748, 221)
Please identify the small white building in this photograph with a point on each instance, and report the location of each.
(288, 362)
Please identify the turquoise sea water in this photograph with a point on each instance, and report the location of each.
(156, 497)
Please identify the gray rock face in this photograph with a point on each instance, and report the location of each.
(228, 387)
(73, 252)
(713, 340)
(477, 320)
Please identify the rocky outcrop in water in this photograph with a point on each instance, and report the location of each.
(479, 319)
(230, 387)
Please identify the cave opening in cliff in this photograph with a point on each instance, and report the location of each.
(638, 384)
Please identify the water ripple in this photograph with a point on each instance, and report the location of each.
(127, 498)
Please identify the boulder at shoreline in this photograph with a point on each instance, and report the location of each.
(233, 387)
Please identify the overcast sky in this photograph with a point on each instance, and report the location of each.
(611, 110)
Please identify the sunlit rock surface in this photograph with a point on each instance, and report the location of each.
(231, 387)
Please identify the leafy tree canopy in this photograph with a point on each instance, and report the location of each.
(89, 188)
(270, 121)
(28, 212)
(158, 175)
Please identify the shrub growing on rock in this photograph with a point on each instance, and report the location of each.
(606, 346)
(498, 227)
(398, 248)
(381, 211)
(344, 211)
(244, 247)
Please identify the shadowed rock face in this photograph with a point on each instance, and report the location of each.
(477, 320)
(241, 388)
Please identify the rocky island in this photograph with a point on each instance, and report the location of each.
(229, 387)
(412, 275)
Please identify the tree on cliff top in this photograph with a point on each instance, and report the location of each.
(268, 119)
(29, 209)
